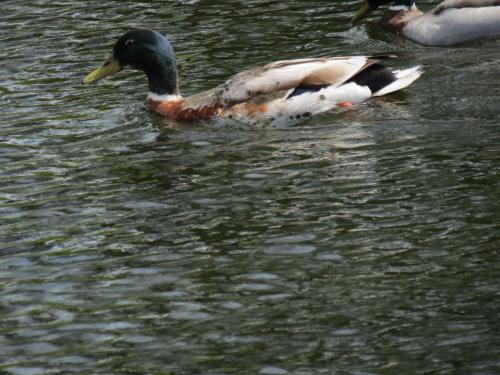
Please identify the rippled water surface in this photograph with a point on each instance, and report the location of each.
(359, 242)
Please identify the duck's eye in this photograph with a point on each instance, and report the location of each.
(129, 42)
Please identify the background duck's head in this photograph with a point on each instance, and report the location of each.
(144, 50)
(370, 5)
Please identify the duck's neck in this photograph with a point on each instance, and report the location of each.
(161, 71)
(399, 15)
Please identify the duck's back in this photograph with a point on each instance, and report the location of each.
(454, 26)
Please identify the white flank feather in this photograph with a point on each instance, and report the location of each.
(287, 111)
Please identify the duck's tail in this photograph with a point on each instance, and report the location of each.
(402, 79)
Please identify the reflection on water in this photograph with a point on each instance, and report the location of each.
(363, 241)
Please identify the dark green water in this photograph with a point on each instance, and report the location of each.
(362, 242)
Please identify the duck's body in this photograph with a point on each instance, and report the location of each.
(279, 93)
(451, 22)
(286, 92)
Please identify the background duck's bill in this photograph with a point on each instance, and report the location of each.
(362, 13)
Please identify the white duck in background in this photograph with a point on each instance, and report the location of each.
(450, 22)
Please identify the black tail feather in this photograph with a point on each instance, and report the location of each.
(376, 77)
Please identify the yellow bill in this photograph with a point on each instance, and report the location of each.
(109, 68)
(362, 13)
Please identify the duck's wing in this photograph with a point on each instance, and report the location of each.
(449, 4)
(280, 76)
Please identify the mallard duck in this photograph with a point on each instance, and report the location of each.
(451, 22)
(279, 93)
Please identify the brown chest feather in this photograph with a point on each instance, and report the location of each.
(175, 110)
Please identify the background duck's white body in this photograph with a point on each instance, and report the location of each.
(454, 26)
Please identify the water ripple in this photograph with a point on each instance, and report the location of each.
(363, 241)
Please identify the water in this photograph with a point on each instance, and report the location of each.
(360, 242)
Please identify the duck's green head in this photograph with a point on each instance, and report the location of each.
(144, 50)
(370, 5)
